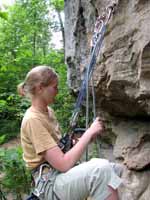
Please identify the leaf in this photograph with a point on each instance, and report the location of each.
(2, 139)
(3, 69)
(57, 4)
(4, 15)
(3, 103)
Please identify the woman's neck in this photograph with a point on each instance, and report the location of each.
(39, 105)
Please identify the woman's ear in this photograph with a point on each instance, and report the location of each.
(39, 89)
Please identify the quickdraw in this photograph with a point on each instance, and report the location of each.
(98, 36)
(96, 43)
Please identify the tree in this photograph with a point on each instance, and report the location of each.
(58, 6)
(24, 42)
(26, 33)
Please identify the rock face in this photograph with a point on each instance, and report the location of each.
(122, 81)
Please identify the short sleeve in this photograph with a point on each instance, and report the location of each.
(39, 135)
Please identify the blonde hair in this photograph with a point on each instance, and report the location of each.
(40, 75)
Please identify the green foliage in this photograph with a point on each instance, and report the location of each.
(57, 4)
(9, 129)
(11, 106)
(3, 15)
(24, 42)
(17, 179)
(25, 36)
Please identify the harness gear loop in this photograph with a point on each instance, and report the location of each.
(40, 171)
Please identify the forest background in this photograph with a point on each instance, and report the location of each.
(26, 30)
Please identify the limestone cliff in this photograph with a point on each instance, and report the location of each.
(122, 81)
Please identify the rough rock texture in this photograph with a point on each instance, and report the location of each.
(122, 81)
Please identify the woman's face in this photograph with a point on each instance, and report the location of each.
(50, 92)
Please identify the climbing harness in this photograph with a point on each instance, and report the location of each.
(96, 43)
(41, 176)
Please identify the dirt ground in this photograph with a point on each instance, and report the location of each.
(11, 144)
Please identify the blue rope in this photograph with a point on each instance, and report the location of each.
(88, 73)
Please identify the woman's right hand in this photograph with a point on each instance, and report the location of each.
(63, 162)
(96, 128)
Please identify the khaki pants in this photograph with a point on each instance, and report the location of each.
(89, 179)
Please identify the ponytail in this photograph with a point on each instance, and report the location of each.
(20, 89)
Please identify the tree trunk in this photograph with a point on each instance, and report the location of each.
(62, 29)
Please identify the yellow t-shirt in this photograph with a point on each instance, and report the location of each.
(39, 132)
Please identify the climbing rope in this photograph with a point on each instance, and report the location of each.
(96, 43)
(99, 31)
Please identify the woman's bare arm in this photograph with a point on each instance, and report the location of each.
(63, 162)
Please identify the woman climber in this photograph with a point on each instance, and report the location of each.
(56, 175)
